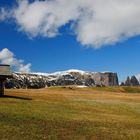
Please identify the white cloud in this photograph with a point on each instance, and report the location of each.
(3, 14)
(7, 57)
(96, 22)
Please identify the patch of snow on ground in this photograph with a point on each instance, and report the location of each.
(81, 86)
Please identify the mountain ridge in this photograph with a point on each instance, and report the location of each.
(62, 78)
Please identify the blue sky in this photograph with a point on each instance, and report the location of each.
(64, 51)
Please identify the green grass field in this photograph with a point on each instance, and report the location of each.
(64, 113)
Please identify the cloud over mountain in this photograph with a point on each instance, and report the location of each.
(94, 22)
(7, 57)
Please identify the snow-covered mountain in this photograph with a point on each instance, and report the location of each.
(62, 78)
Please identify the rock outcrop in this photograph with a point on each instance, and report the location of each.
(71, 77)
(133, 81)
(128, 81)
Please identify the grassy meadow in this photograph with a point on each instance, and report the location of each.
(63, 113)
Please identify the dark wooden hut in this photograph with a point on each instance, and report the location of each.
(5, 72)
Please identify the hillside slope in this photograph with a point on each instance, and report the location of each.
(69, 114)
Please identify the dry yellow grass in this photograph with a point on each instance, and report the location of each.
(70, 114)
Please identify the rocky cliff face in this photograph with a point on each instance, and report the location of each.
(71, 77)
(106, 79)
